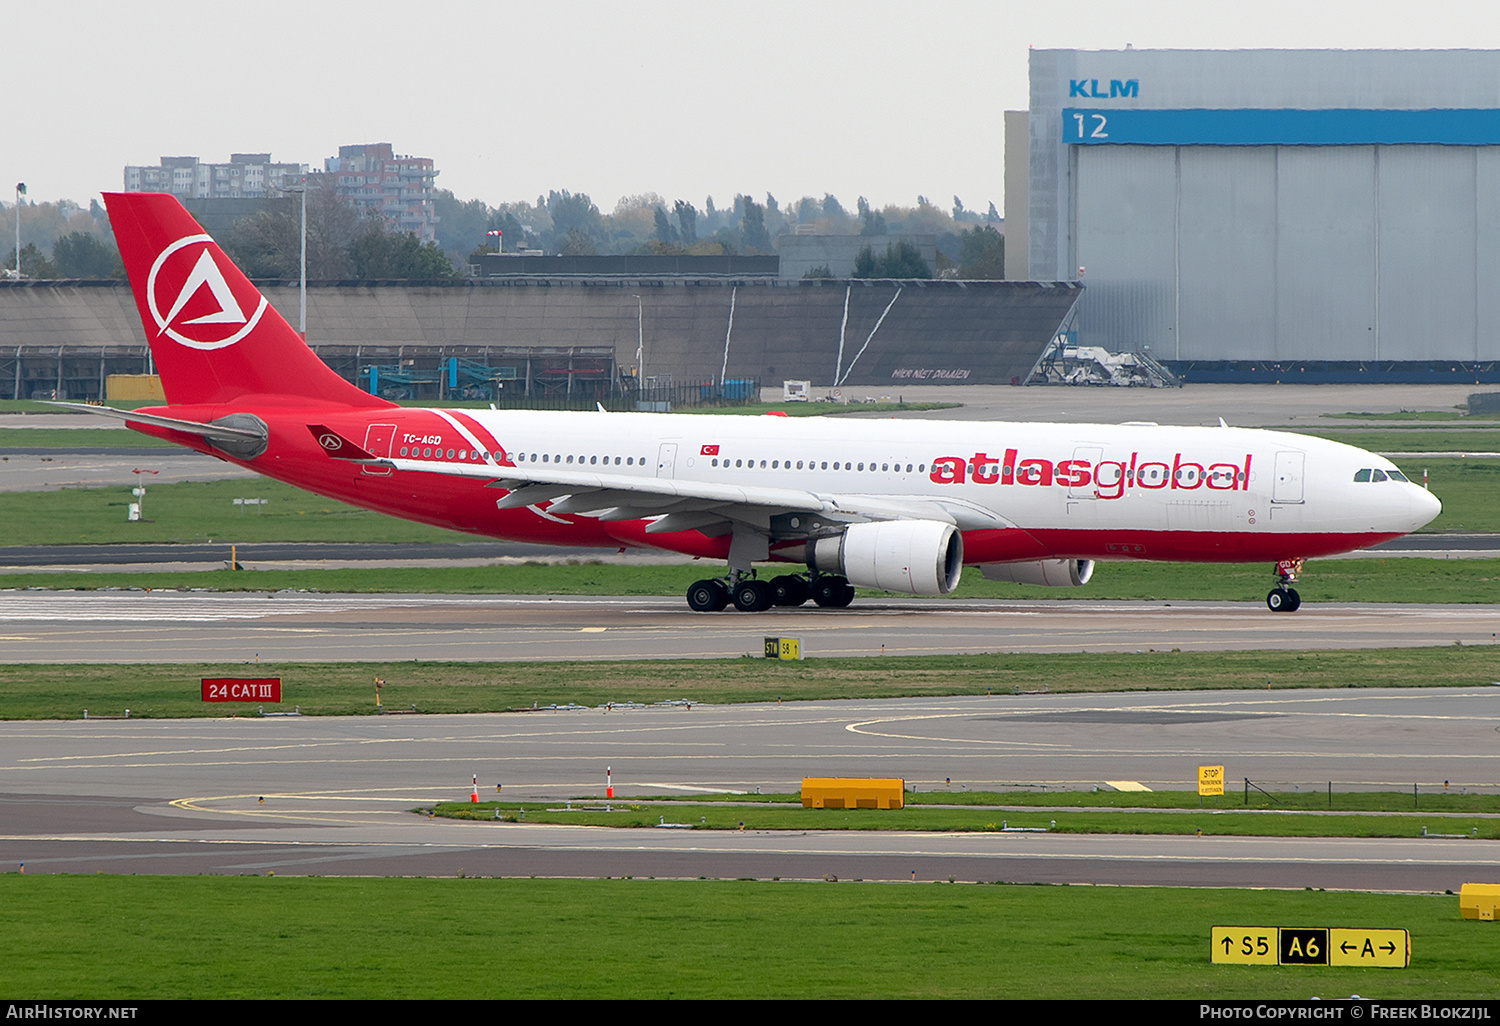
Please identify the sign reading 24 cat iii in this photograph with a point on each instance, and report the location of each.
(241, 689)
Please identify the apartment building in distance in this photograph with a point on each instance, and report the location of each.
(369, 176)
(246, 176)
(398, 187)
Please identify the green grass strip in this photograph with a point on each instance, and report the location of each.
(100, 439)
(125, 938)
(53, 691)
(198, 511)
(1454, 414)
(195, 511)
(1207, 823)
(1485, 439)
(1428, 801)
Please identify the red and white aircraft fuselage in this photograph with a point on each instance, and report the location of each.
(899, 505)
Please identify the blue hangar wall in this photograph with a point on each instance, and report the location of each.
(1274, 214)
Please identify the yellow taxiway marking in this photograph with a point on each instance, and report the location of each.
(592, 630)
(1127, 785)
(863, 727)
(319, 816)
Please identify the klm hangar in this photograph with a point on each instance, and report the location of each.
(1268, 215)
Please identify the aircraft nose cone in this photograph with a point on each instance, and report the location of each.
(1424, 507)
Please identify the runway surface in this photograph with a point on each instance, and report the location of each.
(184, 796)
(175, 626)
(275, 555)
(49, 471)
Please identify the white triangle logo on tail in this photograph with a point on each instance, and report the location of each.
(212, 330)
(206, 272)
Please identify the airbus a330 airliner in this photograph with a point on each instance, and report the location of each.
(899, 505)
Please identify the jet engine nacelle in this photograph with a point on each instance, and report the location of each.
(1054, 573)
(919, 557)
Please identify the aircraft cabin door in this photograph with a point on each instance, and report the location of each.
(1287, 486)
(1082, 501)
(378, 441)
(666, 460)
(1089, 456)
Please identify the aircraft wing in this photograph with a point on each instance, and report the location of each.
(681, 505)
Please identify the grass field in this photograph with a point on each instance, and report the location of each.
(1485, 439)
(59, 691)
(1418, 415)
(133, 937)
(1439, 801)
(101, 439)
(193, 511)
(1207, 823)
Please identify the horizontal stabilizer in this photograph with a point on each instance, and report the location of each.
(211, 431)
(339, 447)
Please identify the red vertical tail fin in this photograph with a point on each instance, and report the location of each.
(213, 336)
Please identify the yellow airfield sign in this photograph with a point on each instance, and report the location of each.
(1384, 948)
(1280, 945)
(1210, 780)
(783, 648)
(1246, 945)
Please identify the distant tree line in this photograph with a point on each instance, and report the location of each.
(571, 223)
(61, 240)
(343, 244)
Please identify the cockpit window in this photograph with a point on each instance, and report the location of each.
(1396, 475)
(1362, 475)
(1378, 475)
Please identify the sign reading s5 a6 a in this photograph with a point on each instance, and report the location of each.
(241, 689)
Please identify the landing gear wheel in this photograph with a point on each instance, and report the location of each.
(752, 596)
(1283, 600)
(789, 590)
(832, 592)
(707, 596)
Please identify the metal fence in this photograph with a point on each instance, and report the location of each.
(658, 398)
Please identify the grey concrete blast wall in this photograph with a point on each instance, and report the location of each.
(861, 333)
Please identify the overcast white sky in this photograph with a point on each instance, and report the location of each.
(881, 98)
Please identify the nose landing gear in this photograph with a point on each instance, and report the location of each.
(1283, 598)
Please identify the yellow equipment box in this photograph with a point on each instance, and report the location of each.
(1477, 901)
(127, 387)
(852, 793)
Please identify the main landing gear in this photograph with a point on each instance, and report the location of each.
(1283, 598)
(750, 595)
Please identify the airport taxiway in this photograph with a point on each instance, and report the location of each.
(203, 626)
(335, 796)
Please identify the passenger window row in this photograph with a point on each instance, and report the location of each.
(546, 457)
(920, 468)
(416, 452)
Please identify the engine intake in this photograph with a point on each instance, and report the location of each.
(918, 557)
